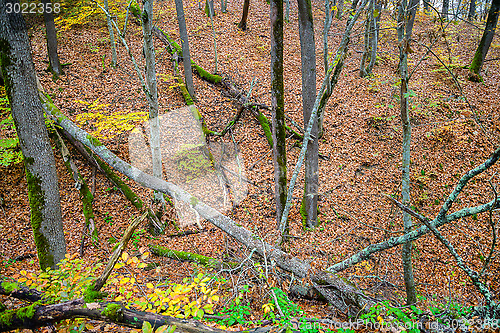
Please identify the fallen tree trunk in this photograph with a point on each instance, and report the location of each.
(35, 316)
(340, 292)
(188, 256)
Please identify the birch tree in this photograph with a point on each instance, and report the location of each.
(19, 74)
(154, 120)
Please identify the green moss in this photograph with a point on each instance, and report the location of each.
(129, 194)
(206, 75)
(113, 312)
(303, 213)
(135, 10)
(184, 91)
(90, 295)
(180, 255)
(267, 129)
(6, 317)
(193, 161)
(27, 312)
(37, 204)
(2, 307)
(94, 141)
(9, 286)
(193, 201)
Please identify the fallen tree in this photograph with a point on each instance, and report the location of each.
(37, 315)
(338, 292)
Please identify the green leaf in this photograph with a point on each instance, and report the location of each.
(146, 327)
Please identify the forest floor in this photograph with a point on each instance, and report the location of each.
(453, 130)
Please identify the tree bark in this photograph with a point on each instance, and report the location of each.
(51, 36)
(445, 9)
(371, 39)
(27, 112)
(154, 120)
(278, 110)
(472, 10)
(406, 19)
(111, 35)
(186, 57)
(488, 34)
(309, 206)
(243, 23)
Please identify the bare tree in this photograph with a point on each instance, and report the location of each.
(154, 120)
(445, 9)
(370, 38)
(43, 191)
(186, 57)
(472, 10)
(278, 108)
(488, 34)
(309, 206)
(111, 35)
(51, 36)
(406, 19)
(243, 23)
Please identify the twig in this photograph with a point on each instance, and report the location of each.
(493, 228)
(473, 275)
(99, 283)
(277, 304)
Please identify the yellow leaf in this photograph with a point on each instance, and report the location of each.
(23, 272)
(22, 280)
(124, 256)
(145, 255)
(118, 298)
(124, 280)
(150, 285)
(162, 329)
(142, 265)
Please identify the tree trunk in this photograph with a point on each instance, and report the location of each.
(426, 5)
(340, 8)
(243, 23)
(326, 28)
(278, 109)
(309, 206)
(111, 35)
(51, 35)
(27, 112)
(445, 9)
(371, 40)
(472, 10)
(488, 34)
(406, 19)
(209, 8)
(154, 120)
(186, 57)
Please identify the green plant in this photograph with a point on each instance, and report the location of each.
(236, 311)
(108, 219)
(9, 147)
